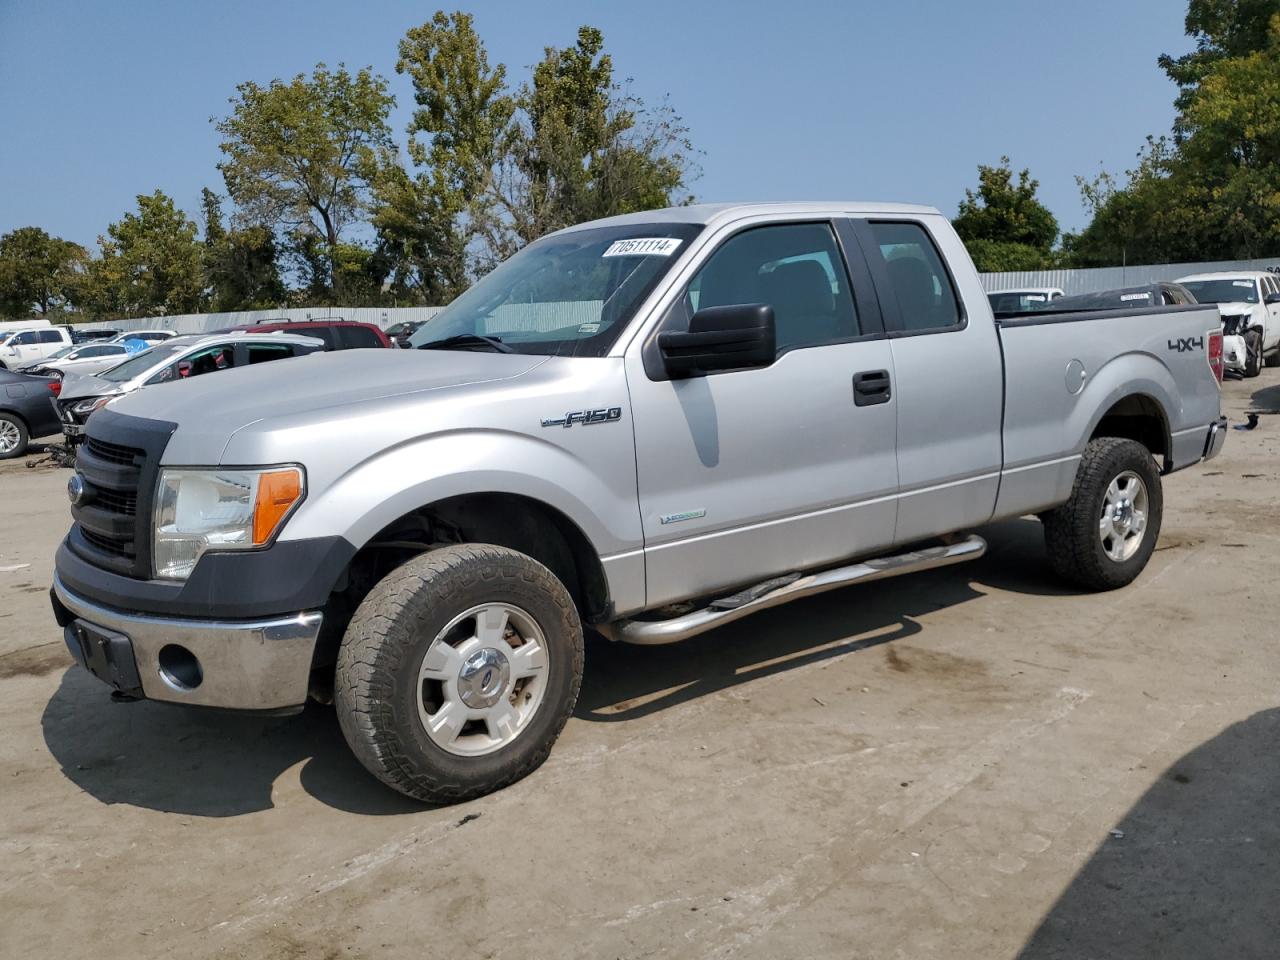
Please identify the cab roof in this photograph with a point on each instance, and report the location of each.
(709, 214)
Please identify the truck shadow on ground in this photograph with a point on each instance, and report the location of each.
(1194, 874)
(624, 682)
(205, 763)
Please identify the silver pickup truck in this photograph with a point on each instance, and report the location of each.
(647, 426)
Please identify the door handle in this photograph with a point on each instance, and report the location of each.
(871, 387)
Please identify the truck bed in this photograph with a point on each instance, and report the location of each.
(1063, 373)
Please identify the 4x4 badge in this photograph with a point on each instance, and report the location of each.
(585, 417)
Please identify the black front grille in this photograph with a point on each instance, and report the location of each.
(118, 501)
(109, 545)
(115, 452)
(118, 462)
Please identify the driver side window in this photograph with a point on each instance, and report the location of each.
(794, 268)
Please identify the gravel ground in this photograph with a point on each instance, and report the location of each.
(974, 762)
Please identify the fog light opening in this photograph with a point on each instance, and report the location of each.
(179, 667)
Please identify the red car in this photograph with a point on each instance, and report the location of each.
(336, 334)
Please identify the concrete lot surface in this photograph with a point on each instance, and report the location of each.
(975, 762)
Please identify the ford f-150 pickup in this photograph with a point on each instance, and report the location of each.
(646, 426)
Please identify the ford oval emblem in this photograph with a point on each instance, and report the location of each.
(77, 493)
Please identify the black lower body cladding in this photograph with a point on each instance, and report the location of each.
(289, 576)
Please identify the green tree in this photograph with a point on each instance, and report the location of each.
(151, 263)
(241, 268)
(38, 272)
(1212, 192)
(457, 135)
(1222, 30)
(494, 170)
(585, 148)
(298, 155)
(1003, 224)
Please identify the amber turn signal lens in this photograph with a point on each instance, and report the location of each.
(278, 490)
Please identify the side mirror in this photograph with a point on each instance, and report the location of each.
(734, 337)
(1272, 298)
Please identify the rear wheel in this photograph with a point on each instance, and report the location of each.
(1253, 360)
(1104, 535)
(458, 672)
(13, 436)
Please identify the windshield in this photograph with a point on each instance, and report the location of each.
(406, 326)
(142, 362)
(1223, 291)
(567, 295)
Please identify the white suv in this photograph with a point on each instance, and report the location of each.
(25, 346)
(1249, 302)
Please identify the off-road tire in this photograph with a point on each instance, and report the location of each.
(24, 436)
(1071, 531)
(1253, 353)
(376, 684)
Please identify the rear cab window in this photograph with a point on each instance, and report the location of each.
(926, 296)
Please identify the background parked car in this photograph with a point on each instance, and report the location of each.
(90, 336)
(1162, 294)
(23, 346)
(25, 411)
(176, 359)
(1249, 302)
(150, 336)
(337, 334)
(84, 359)
(399, 333)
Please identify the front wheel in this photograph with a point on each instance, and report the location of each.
(458, 672)
(1253, 358)
(1104, 535)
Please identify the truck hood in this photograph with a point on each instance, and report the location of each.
(1235, 309)
(209, 409)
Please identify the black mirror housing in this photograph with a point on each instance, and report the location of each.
(735, 337)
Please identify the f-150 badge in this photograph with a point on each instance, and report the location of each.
(585, 417)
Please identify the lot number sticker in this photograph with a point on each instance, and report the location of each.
(643, 247)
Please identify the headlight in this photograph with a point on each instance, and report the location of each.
(85, 407)
(199, 510)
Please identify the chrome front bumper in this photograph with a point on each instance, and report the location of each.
(242, 665)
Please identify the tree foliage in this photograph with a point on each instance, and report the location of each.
(151, 263)
(1211, 191)
(241, 266)
(457, 135)
(497, 169)
(583, 147)
(38, 272)
(297, 155)
(1003, 224)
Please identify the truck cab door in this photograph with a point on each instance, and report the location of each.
(747, 474)
(949, 373)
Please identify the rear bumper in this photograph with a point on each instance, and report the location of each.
(260, 664)
(1216, 438)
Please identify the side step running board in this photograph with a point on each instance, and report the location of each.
(651, 632)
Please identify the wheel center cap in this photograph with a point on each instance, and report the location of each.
(483, 678)
(1124, 514)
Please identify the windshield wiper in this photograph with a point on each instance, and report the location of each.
(467, 340)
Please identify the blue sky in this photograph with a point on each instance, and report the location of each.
(788, 100)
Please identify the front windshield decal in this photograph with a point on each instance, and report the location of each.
(643, 247)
